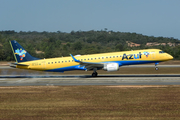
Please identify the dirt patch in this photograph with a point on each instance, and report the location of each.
(171, 62)
(142, 86)
(39, 52)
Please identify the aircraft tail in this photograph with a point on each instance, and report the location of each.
(20, 54)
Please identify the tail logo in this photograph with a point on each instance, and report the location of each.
(21, 53)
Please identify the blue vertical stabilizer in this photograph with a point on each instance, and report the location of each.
(20, 54)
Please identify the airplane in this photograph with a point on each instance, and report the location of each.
(107, 61)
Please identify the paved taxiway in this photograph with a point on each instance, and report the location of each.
(88, 80)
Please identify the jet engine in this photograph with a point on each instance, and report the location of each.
(111, 67)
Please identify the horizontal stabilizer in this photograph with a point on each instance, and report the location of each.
(19, 64)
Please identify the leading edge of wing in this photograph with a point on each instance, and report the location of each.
(75, 58)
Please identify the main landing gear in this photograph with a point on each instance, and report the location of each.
(156, 68)
(94, 74)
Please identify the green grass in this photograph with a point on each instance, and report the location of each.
(90, 102)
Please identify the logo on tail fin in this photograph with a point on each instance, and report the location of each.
(21, 53)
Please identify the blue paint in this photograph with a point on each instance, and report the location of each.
(136, 57)
(156, 63)
(75, 58)
(76, 67)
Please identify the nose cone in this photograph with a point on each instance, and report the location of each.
(170, 57)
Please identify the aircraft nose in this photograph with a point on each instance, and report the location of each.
(170, 57)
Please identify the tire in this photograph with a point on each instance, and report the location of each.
(94, 74)
(156, 68)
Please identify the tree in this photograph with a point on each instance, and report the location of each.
(77, 46)
(119, 47)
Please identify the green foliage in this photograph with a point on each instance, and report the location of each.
(57, 44)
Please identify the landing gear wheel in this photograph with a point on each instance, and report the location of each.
(94, 74)
(156, 68)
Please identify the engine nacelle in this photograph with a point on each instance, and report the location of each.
(111, 67)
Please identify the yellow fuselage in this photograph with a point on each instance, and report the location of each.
(122, 58)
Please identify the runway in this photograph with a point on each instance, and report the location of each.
(19, 77)
(88, 80)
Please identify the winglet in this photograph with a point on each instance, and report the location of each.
(75, 58)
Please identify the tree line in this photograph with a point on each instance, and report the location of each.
(56, 44)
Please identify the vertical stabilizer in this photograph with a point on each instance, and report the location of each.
(20, 54)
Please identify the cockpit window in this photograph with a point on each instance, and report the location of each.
(160, 52)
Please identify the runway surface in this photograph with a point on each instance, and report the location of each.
(17, 77)
(88, 80)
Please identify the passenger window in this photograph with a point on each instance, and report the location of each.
(52, 62)
(117, 56)
(91, 58)
(62, 61)
(102, 57)
(69, 61)
(58, 61)
(113, 56)
(106, 57)
(48, 62)
(99, 57)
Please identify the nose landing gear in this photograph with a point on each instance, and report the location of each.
(156, 68)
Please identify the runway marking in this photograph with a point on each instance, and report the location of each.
(22, 80)
(49, 84)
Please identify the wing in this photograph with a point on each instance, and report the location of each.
(88, 65)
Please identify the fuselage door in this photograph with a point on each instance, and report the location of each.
(153, 54)
(43, 64)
